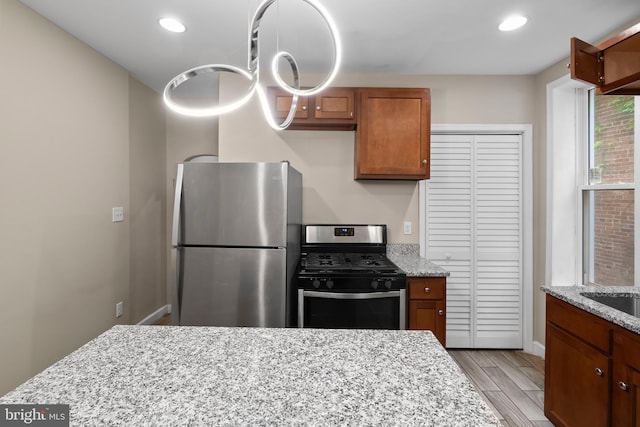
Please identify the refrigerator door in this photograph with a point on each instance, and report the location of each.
(232, 287)
(233, 204)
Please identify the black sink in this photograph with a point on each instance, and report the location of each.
(626, 304)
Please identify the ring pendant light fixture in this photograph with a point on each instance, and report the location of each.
(252, 73)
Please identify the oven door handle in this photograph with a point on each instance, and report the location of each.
(351, 295)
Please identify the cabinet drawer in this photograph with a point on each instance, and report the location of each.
(586, 326)
(430, 288)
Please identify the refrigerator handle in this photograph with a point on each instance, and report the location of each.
(176, 206)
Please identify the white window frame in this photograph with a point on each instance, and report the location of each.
(568, 130)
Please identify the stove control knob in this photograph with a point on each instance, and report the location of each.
(316, 283)
(374, 284)
(329, 283)
(387, 284)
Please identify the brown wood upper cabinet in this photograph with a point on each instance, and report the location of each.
(393, 136)
(332, 109)
(613, 66)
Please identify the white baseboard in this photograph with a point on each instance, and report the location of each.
(156, 315)
(538, 349)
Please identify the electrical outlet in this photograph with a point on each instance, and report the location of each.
(407, 227)
(117, 214)
(119, 309)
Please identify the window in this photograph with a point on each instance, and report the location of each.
(608, 191)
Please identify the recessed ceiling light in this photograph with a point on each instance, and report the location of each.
(172, 25)
(512, 23)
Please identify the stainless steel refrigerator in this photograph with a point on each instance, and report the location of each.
(236, 240)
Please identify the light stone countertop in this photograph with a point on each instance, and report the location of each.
(573, 295)
(202, 376)
(407, 257)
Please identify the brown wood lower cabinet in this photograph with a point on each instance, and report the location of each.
(592, 369)
(625, 389)
(427, 305)
(577, 381)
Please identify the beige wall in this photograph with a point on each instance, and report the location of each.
(539, 99)
(147, 171)
(186, 137)
(326, 158)
(65, 158)
(79, 136)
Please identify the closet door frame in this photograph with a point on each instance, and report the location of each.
(525, 130)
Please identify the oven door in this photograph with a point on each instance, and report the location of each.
(352, 310)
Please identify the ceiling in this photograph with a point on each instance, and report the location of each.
(378, 36)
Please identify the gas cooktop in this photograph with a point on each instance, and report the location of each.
(341, 262)
(347, 257)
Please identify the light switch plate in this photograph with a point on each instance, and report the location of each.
(407, 227)
(117, 214)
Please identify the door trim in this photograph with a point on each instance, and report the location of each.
(526, 130)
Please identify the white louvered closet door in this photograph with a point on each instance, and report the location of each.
(474, 230)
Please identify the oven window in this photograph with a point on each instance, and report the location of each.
(375, 313)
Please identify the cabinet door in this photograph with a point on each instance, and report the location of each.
(335, 103)
(281, 103)
(612, 66)
(625, 396)
(626, 380)
(392, 139)
(428, 315)
(576, 389)
(332, 109)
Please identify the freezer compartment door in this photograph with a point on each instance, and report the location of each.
(232, 287)
(234, 204)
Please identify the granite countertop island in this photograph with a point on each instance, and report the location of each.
(202, 376)
(574, 296)
(407, 257)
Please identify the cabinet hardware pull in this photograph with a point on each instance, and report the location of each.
(424, 161)
(623, 386)
(304, 107)
(427, 290)
(318, 107)
(440, 312)
(599, 372)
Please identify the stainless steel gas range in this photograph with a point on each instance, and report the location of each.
(345, 279)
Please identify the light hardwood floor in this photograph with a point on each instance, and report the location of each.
(512, 382)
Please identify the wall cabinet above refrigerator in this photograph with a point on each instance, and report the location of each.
(332, 109)
(393, 126)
